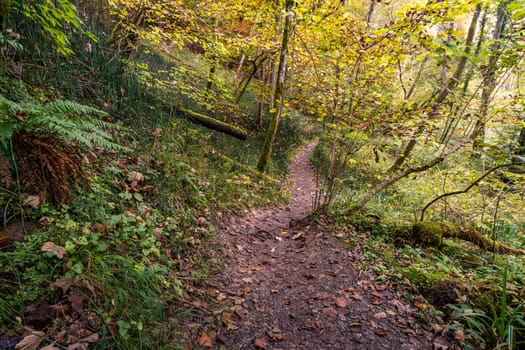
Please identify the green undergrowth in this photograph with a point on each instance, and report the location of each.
(126, 254)
(474, 292)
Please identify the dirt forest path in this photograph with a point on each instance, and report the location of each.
(292, 284)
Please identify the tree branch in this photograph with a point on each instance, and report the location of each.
(477, 181)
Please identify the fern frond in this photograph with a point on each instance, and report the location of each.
(70, 107)
(9, 107)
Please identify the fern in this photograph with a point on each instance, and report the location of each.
(65, 120)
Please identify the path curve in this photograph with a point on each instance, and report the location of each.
(289, 284)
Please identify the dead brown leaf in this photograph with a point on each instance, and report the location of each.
(77, 346)
(380, 315)
(205, 341)
(341, 302)
(77, 299)
(50, 347)
(459, 335)
(93, 338)
(330, 311)
(260, 344)
(355, 296)
(57, 250)
(63, 283)
(31, 342)
(441, 343)
(136, 176)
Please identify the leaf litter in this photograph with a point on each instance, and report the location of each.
(304, 292)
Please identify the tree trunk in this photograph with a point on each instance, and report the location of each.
(213, 124)
(274, 67)
(260, 99)
(489, 74)
(275, 113)
(521, 143)
(430, 233)
(448, 88)
(257, 62)
(370, 13)
(211, 77)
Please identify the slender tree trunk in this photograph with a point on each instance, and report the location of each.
(275, 113)
(521, 143)
(489, 75)
(370, 13)
(243, 57)
(273, 75)
(445, 90)
(260, 99)
(476, 52)
(259, 60)
(211, 77)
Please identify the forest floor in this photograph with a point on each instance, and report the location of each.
(290, 283)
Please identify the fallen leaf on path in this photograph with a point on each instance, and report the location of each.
(50, 347)
(297, 235)
(205, 341)
(380, 287)
(330, 311)
(380, 315)
(380, 332)
(31, 342)
(377, 295)
(77, 346)
(275, 334)
(356, 296)
(341, 302)
(259, 343)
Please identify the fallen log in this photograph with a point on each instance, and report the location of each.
(431, 233)
(213, 124)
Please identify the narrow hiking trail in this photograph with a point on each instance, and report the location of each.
(291, 284)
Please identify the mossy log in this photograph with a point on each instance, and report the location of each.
(245, 168)
(214, 124)
(431, 233)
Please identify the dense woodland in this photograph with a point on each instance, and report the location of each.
(128, 128)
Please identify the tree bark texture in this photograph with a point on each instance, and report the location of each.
(275, 113)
